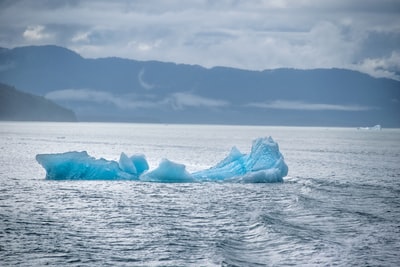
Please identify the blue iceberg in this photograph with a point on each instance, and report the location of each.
(264, 164)
(169, 172)
(134, 165)
(81, 166)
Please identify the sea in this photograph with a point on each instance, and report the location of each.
(338, 206)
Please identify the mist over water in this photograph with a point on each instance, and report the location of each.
(339, 204)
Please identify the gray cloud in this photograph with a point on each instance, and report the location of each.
(246, 34)
(36, 33)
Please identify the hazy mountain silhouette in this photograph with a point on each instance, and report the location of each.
(19, 106)
(116, 89)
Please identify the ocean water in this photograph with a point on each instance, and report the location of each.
(339, 205)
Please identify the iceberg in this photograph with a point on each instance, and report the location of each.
(168, 171)
(80, 166)
(264, 164)
(373, 128)
(135, 165)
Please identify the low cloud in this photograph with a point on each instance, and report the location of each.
(299, 105)
(176, 101)
(182, 100)
(87, 95)
(142, 82)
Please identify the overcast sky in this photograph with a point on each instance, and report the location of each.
(260, 34)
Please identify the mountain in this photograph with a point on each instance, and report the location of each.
(19, 106)
(116, 89)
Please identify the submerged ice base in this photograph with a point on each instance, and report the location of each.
(264, 164)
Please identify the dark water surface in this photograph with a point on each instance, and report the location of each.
(339, 206)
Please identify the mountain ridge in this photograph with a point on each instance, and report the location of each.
(20, 106)
(118, 89)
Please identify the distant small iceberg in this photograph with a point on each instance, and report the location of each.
(373, 128)
(264, 164)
